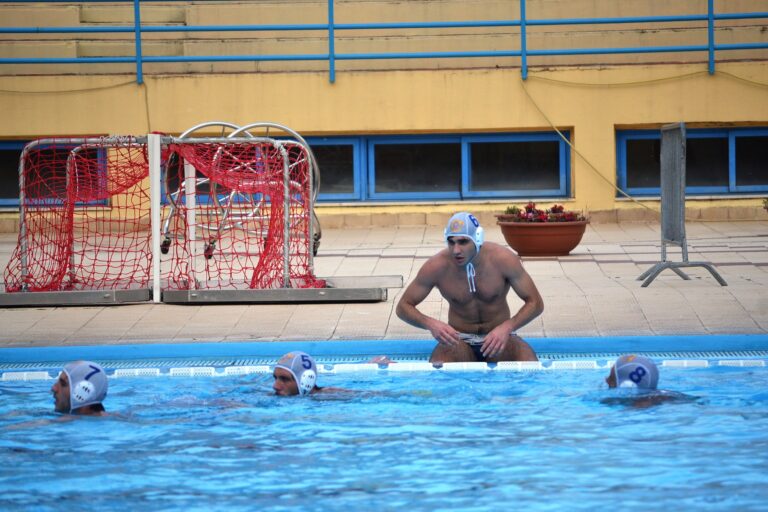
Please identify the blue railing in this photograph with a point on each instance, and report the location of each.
(331, 27)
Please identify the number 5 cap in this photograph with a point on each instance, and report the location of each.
(302, 367)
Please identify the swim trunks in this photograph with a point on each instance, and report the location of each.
(475, 342)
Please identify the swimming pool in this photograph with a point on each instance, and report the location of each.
(541, 437)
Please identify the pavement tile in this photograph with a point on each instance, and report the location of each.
(592, 292)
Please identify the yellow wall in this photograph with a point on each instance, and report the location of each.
(590, 102)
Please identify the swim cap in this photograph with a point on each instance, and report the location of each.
(632, 370)
(87, 384)
(465, 224)
(302, 367)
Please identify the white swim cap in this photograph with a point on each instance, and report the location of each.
(466, 225)
(632, 370)
(87, 384)
(303, 369)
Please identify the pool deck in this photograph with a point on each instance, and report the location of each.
(593, 292)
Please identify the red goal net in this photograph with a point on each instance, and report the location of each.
(236, 214)
(251, 227)
(84, 216)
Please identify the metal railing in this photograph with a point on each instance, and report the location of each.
(330, 27)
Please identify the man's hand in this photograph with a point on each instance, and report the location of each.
(444, 333)
(495, 341)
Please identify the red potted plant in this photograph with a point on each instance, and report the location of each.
(534, 232)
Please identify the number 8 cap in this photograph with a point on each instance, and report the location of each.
(303, 369)
(87, 384)
(636, 371)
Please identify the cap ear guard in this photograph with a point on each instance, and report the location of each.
(307, 382)
(81, 393)
(479, 237)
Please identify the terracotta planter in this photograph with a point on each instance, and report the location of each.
(542, 238)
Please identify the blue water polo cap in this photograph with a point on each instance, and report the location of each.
(636, 371)
(87, 384)
(303, 369)
(466, 225)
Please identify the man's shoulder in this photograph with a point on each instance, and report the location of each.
(435, 266)
(501, 251)
(439, 259)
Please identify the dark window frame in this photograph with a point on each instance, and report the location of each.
(622, 136)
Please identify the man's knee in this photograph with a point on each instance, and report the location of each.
(517, 350)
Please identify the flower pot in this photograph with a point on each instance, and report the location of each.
(542, 238)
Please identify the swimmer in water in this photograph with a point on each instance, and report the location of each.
(633, 371)
(296, 374)
(475, 277)
(642, 374)
(80, 389)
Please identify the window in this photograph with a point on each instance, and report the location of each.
(717, 161)
(442, 167)
(528, 165)
(751, 160)
(407, 168)
(46, 172)
(414, 169)
(340, 160)
(10, 152)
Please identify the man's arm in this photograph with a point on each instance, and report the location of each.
(414, 294)
(533, 304)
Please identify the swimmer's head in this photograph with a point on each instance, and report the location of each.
(302, 369)
(633, 371)
(87, 384)
(464, 224)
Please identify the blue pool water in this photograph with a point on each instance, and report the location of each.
(406, 440)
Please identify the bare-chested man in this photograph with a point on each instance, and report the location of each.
(474, 277)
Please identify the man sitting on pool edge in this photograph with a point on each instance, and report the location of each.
(80, 389)
(475, 277)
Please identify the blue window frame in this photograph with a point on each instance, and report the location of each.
(718, 161)
(444, 167)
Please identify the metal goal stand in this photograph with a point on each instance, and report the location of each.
(207, 214)
(673, 207)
